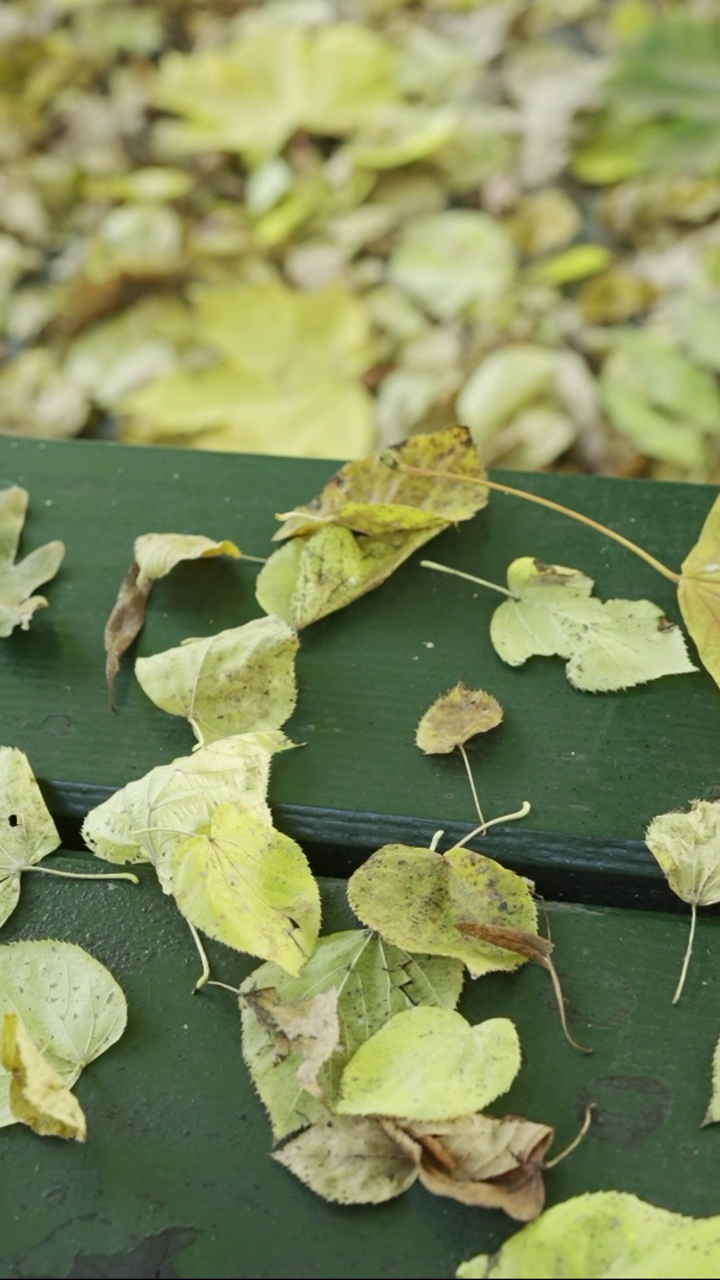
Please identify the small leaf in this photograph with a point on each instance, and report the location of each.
(39, 1097)
(155, 555)
(430, 1064)
(687, 847)
(480, 1161)
(712, 1115)
(18, 581)
(27, 831)
(238, 681)
(453, 260)
(69, 1003)
(376, 496)
(417, 898)
(250, 887)
(372, 979)
(349, 1160)
(604, 1234)
(455, 717)
(699, 592)
(610, 645)
(147, 820)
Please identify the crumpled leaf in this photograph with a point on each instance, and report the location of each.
(39, 1097)
(664, 404)
(372, 979)
(237, 681)
(376, 496)
(27, 831)
(319, 573)
(68, 1002)
(18, 581)
(252, 97)
(609, 645)
(249, 886)
(480, 1161)
(147, 820)
(712, 1115)
(605, 1234)
(687, 847)
(349, 1160)
(439, 893)
(699, 592)
(455, 717)
(453, 261)
(310, 1026)
(126, 621)
(430, 1064)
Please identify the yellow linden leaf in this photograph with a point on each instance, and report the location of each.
(157, 553)
(376, 495)
(318, 573)
(430, 1064)
(18, 581)
(349, 1160)
(27, 831)
(238, 681)
(699, 592)
(687, 846)
(250, 887)
(39, 1097)
(455, 717)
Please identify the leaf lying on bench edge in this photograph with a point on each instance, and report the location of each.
(39, 1097)
(368, 519)
(18, 581)
(69, 1003)
(155, 555)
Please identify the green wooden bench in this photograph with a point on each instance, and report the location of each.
(176, 1177)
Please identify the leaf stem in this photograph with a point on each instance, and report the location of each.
(203, 958)
(468, 770)
(550, 1164)
(213, 982)
(688, 953)
(86, 875)
(522, 812)
(458, 573)
(553, 506)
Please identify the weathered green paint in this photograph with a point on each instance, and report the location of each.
(176, 1177)
(596, 768)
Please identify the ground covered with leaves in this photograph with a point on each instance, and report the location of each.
(317, 226)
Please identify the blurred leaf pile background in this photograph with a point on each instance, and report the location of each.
(314, 226)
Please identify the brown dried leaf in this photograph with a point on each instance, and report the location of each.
(124, 624)
(455, 717)
(311, 1026)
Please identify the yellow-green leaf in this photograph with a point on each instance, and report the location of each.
(157, 553)
(376, 495)
(601, 1235)
(430, 1064)
(39, 1097)
(609, 645)
(69, 1003)
(712, 1115)
(454, 260)
(455, 717)
(699, 592)
(417, 899)
(250, 887)
(27, 831)
(18, 581)
(687, 847)
(349, 1160)
(238, 681)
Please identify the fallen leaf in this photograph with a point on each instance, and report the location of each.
(247, 885)
(609, 645)
(687, 847)
(316, 574)
(235, 682)
(309, 1026)
(39, 1097)
(699, 592)
(712, 1115)
(376, 496)
(68, 1002)
(455, 717)
(349, 1160)
(27, 831)
(373, 980)
(454, 261)
(417, 898)
(601, 1235)
(18, 581)
(156, 554)
(430, 1064)
(147, 819)
(480, 1161)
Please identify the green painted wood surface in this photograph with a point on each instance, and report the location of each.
(176, 1179)
(595, 768)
